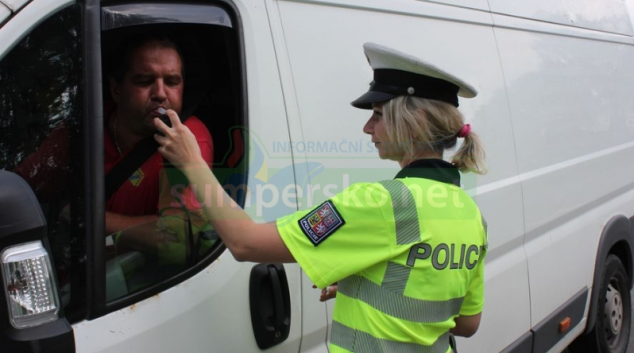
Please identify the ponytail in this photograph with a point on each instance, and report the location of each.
(414, 124)
(470, 156)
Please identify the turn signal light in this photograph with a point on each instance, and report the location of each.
(28, 284)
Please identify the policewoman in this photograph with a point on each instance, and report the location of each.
(408, 253)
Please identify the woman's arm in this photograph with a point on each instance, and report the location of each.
(247, 240)
(466, 326)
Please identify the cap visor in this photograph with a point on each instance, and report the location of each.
(366, 100)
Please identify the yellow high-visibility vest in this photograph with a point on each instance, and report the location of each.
(407, 254)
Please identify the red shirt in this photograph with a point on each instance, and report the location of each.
(146, 192)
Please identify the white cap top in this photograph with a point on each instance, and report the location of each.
(397, 73)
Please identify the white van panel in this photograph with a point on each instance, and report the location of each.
(4, 13)
(506, 273)
(566, 211)
(571, 105)
(572, 112)
(602, 15)
(548, 79)
(474, 4)
(194, 316)
(329, 71)
(315, 322)
(22, 23)
(336, 70)
(404, 7)
(629, 6)
(314, 319)
(527, 25)
(14, 5)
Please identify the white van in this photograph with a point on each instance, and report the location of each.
(272, 80)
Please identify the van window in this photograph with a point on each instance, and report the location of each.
(177, 240)
(41, 128)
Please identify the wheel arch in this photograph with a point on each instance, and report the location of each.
(616, 239)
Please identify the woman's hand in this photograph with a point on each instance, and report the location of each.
(328, 292)
(178, 144)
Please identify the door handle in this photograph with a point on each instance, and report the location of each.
(270, 304)
(279, 317)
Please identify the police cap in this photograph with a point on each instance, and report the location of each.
(400, 74)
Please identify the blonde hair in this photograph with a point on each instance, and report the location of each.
(414, 124)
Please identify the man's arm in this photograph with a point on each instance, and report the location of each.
(116, 222)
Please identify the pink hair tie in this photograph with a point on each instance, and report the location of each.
(464, 132)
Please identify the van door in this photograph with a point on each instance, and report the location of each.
(190, 296)
(226, 305)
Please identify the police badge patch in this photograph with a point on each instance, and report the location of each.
(321, 222)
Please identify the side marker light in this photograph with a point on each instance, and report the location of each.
(28, 285)
(564, 325)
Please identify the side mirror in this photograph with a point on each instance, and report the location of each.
(31, 318)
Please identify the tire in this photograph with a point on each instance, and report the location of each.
(611, 332)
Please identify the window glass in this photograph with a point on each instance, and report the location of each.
(152, 252)
(156, 228)
(41, 90)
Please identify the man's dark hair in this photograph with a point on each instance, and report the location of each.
(119, 59)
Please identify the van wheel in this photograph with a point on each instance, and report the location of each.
(611, 331)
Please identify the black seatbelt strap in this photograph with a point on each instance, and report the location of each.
(129, 164)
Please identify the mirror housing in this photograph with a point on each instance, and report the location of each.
(22, 221)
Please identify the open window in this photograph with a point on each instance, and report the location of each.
(152, 256)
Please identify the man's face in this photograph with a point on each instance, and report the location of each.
(154, 80)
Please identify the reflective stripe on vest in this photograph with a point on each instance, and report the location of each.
(361, 342)
(396, 277)
(397, 305)
(405, 214)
